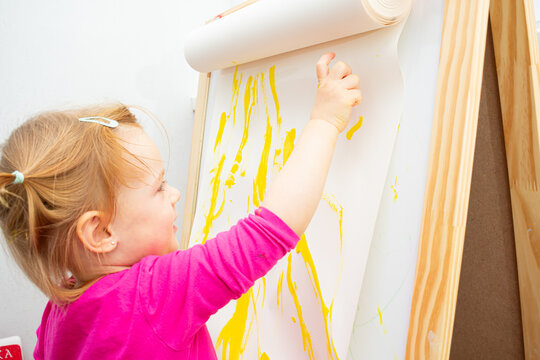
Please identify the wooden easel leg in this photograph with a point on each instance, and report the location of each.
(448, 179)
(516, 54)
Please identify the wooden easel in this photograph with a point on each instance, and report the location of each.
(450, 166)
(451, 161)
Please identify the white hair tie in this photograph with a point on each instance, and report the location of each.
(19, 177)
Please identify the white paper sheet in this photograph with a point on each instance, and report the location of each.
(318, 288)
(354, 184)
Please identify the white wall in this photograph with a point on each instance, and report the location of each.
(65, 53)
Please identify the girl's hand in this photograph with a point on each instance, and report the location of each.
(337, 92)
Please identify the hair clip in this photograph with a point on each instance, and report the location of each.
(100, 120)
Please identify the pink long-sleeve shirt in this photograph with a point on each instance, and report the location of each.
(157, 309)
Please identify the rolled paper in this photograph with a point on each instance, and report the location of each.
(271, 27)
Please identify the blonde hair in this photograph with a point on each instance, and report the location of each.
(69, 167)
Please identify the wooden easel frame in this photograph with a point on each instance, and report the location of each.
(450, 166)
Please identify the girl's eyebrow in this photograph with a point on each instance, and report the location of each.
(159, 179)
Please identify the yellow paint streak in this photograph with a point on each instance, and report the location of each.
(230, 181)
(394, 188)
(288, 145)
(280, 292)
(380, 314)
(259, 183)
(221, 128)
(216, 180)
(212, 214)
(231, 336)
(303, 249)
(264, 356)
(235, 92)
(338, 209)
(356, 126)
(306, 337)
(249, 101)
(256, 316)
(293, 319)
(272, 79)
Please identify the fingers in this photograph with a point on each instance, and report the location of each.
(356, 97)
(351, 81)
(322, 65)
(339, 71)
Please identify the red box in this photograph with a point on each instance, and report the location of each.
(10, 348)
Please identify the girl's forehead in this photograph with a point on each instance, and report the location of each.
(136, 141)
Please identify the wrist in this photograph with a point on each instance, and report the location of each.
(324, 125)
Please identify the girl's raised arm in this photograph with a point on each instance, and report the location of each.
(296, 191)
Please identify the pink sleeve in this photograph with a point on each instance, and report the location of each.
(180, 291)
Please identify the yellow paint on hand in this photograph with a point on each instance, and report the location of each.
(394, 188)
(306, 336)
(356, 126)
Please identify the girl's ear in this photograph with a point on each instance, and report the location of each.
(93, 234)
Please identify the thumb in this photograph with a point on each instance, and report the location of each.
(322, 65)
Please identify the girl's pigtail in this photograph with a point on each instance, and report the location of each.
(6, 179)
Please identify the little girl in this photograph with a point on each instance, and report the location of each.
(87, 215)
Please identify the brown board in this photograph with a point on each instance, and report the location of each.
(488, 320)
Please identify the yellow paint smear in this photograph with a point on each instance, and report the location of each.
(288, 145)
(259, 182)
(279, 293)
(256, 316)
(356, 126)
(380, 314)
(306, 337)
(237, 82)
(249, 101)
(264, 356)
(230, 181)
(221, 128)
(272, 79)
(303, 249)
(394, 188)
(231, 336)
(216, 180)
(212, 214)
